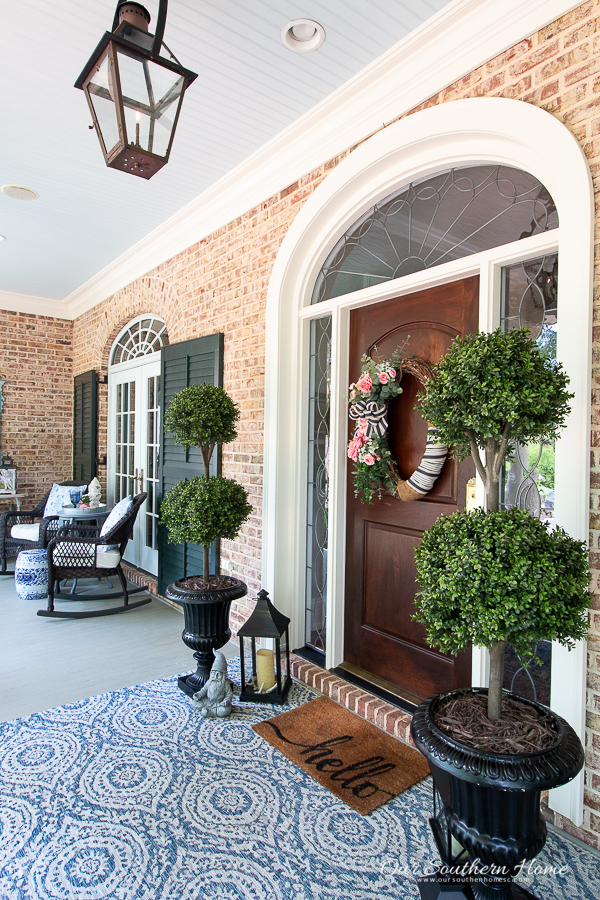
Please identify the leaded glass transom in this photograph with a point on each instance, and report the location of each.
(434, 220)
(141, 338)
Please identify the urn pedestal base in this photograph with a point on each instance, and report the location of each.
(206, 616)
(490, 803)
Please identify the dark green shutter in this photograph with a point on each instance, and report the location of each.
(191, 362)
(85, 427)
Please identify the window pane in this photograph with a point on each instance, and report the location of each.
(529, 300)
(443, 217)
(140, 339)
(318, 482)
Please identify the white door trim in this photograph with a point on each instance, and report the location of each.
(482, 130)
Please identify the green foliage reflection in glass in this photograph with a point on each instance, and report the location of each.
(203, 508)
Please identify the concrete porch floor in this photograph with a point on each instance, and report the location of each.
(50, 662)
(46, 663)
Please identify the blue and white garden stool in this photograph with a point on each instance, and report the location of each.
(31, 574)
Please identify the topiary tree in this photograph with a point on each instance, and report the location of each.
(203, 508)
(497, 577)
(491, 390)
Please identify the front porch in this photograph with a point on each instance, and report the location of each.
(244, 854)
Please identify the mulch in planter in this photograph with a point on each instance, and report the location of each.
(520, 729)
(197, 583)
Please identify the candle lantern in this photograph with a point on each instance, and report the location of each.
(135, 94)
(268, 681)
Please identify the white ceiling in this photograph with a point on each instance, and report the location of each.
(249, 88)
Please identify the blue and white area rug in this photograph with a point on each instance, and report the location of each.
(132, 795)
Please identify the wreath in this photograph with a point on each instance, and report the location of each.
(375, 469)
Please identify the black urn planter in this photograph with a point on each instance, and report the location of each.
(491, 804)
(206, 625)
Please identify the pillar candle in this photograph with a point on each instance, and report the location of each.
(265, 669)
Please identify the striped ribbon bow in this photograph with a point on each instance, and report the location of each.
(374, 413)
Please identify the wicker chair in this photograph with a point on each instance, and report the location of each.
(12, 546)
(79, 551)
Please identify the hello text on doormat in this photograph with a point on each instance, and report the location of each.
(356, 761)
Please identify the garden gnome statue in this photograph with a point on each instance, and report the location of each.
(94, 492)
(214, 700)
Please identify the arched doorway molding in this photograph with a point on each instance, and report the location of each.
(482, 130)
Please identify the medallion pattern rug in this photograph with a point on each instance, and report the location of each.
(132, 795)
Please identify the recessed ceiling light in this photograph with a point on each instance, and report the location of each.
(303, 35)
(18, 192)
(2, 238)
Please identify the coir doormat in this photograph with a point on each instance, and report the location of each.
(356, 761)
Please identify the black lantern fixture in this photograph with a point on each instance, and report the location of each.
(265, 622)
(133, 92)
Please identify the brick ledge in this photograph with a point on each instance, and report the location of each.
(143, 579)
(385, 716)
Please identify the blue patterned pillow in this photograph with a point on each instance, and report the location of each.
(117, 514)
(59, 497)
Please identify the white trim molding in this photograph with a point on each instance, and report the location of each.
(35, 306)
(455, 41)
(463, 132)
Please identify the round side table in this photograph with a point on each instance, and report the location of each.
(84, 515)
(87, 516)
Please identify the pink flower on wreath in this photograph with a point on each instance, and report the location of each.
(365, 384)
(353, 448)
(363, 424)
(383, 378)
(392, 373)
(369, 459)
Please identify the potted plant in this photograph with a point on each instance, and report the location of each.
(490, 578)
(202, 510)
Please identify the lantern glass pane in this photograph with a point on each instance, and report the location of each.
(101, 92)
(151, 96)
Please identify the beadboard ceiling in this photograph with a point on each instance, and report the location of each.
(250, 87)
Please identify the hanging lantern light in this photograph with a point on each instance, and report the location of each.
(133, 92)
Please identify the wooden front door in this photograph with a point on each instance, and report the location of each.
(380, 636)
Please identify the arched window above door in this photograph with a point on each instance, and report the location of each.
(144, 335)
(442, 217)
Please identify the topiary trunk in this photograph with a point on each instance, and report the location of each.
(205, 560)
(494, 709)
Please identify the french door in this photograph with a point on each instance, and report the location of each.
(133, 441)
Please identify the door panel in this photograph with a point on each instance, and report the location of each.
(134, 429)
(380, 635)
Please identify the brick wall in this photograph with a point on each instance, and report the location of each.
(37, 420)
(220, 284)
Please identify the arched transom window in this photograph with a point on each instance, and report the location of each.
(143, 336)
(434, 220)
